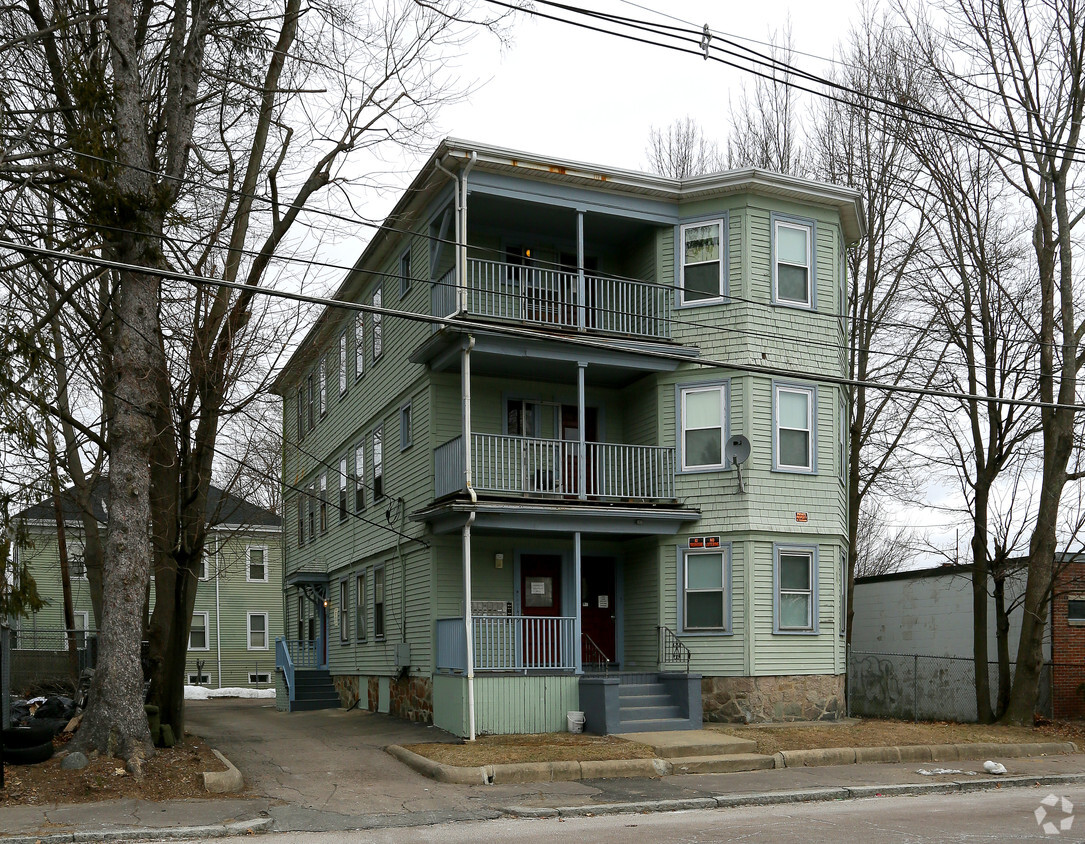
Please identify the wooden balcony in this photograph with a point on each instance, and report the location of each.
(531, 466)
(555, 298)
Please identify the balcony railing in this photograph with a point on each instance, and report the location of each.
(508, 643)
(532, 466)
(552, 297)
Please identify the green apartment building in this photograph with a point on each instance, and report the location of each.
(238, 606)
(580, 446)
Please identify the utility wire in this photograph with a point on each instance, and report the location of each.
(534, 334)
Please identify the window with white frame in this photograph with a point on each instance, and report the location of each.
(359, 607)
(199, 679)
(378, 602)
(257, 630)
(705, 588)
(359, 478)
(378, 323)
(359, 344)
(301, 521)
(343, 488)
(1075, 610)
(301, 617)
(81, 620)
(301, 414)
(793, 429)
(703, 410)
(257, 678)
(205, 568)
(843, 436)
(312, 512)
(342, 363)
(323, 502)
(795, 590)
(843, 590)
(77, 562)
(312, 400)
(257, 564)
(197, 633)
(344, 607)
(405, 273)
(791, 272)
(702, 261)
(323, 387)
(378, 465)
(405, 427)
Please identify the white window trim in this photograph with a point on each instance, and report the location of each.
(378, 325)
(406, 435)
(77, 552)
(344, 490)
(683, 554)
(204, 574)
(1074, 622)
(359, 345)
(842, 406)
(680, 252)
(810, 228)
(206, 632)
(248, 563)
(361, 619)
(811, 421)
(254, 677)
(811, 629)
(359, 477)
(199, 679)
(379, 637)
(248, 631)
(322, 517)
(377, 437)
(724, 389)
(405, 280)
(323, 387)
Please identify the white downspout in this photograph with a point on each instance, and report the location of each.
(461, 235)
(218, 615)
(468, 620)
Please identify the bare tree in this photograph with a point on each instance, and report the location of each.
(1011, 78)
(681, 150)
(881, 549)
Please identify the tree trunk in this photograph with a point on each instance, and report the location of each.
(984, 713)
(1002, 640)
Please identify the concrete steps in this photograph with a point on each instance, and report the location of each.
(315, 690)
(704, 751)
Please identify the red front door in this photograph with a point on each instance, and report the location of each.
(597, 609)
(540, 601)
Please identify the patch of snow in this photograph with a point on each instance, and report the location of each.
(204, 693)
(939, 771)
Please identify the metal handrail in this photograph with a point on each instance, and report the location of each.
(592, 654)
(671, 648)
(285, 664)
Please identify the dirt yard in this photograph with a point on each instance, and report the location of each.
(171, 774)
(544, 747)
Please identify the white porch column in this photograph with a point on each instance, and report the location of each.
(581, 307)
(577, 646)
(582, 447)
(468, 620)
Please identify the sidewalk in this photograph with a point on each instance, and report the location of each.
(327, 771)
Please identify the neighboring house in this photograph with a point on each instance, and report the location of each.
(928, 613)
(548, 465)
(238, 601)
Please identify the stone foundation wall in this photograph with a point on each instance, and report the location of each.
(347, 686)
(412, 698)
(796, 697)
(372, 693)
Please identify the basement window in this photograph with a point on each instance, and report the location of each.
(1075, 610)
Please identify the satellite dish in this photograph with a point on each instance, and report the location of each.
(737, 451)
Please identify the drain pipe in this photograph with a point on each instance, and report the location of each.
(468, 620)
(460, 199)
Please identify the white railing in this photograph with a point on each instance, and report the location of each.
(509, 643)
(552, 297)
(534, 466)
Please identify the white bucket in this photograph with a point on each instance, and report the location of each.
(576, 721)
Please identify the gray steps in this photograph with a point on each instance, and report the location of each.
(314, 689)
(645, 706)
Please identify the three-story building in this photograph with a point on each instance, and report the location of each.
(579, 445)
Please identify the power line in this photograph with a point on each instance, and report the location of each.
(535, 334)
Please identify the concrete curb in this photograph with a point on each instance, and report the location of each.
(223, 782)
(525, 772)
(198, 833)
(919, 753)
(809, 795)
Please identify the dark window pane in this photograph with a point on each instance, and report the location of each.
(704, 609)
(791, 284)
(704, 448)
(702, 282)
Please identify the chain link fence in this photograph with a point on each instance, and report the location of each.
(925, 688)
(5, 677)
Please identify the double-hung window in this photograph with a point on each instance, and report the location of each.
(323, 502)
(312, 400)
(359, 607)
(359, 344)
(359, 478)
(703, 410)
(702, 262)
(301, 414)
(705, 591)
(378, 325)
(312, 512)
(343, 363)
(323, 387)
(405, 427)
(257, 628)
(257, 565)
(405, 273)
(378, 465)
(197, 633)
(793, 428)
(301, 520)
(792, 271)
(344, 612)
(796, 591)
(378, 603)
(342, 489)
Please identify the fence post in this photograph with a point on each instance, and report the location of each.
(847, 680)
(915, 687)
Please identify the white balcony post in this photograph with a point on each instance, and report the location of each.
(581, 309)
(582, 448)
(577, 647)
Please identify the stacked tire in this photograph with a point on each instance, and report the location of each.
(28, 745)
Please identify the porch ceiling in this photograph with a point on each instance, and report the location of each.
(306, 578)
(540, 517)
(616, 363)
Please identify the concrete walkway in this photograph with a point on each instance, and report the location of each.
(327, 770)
